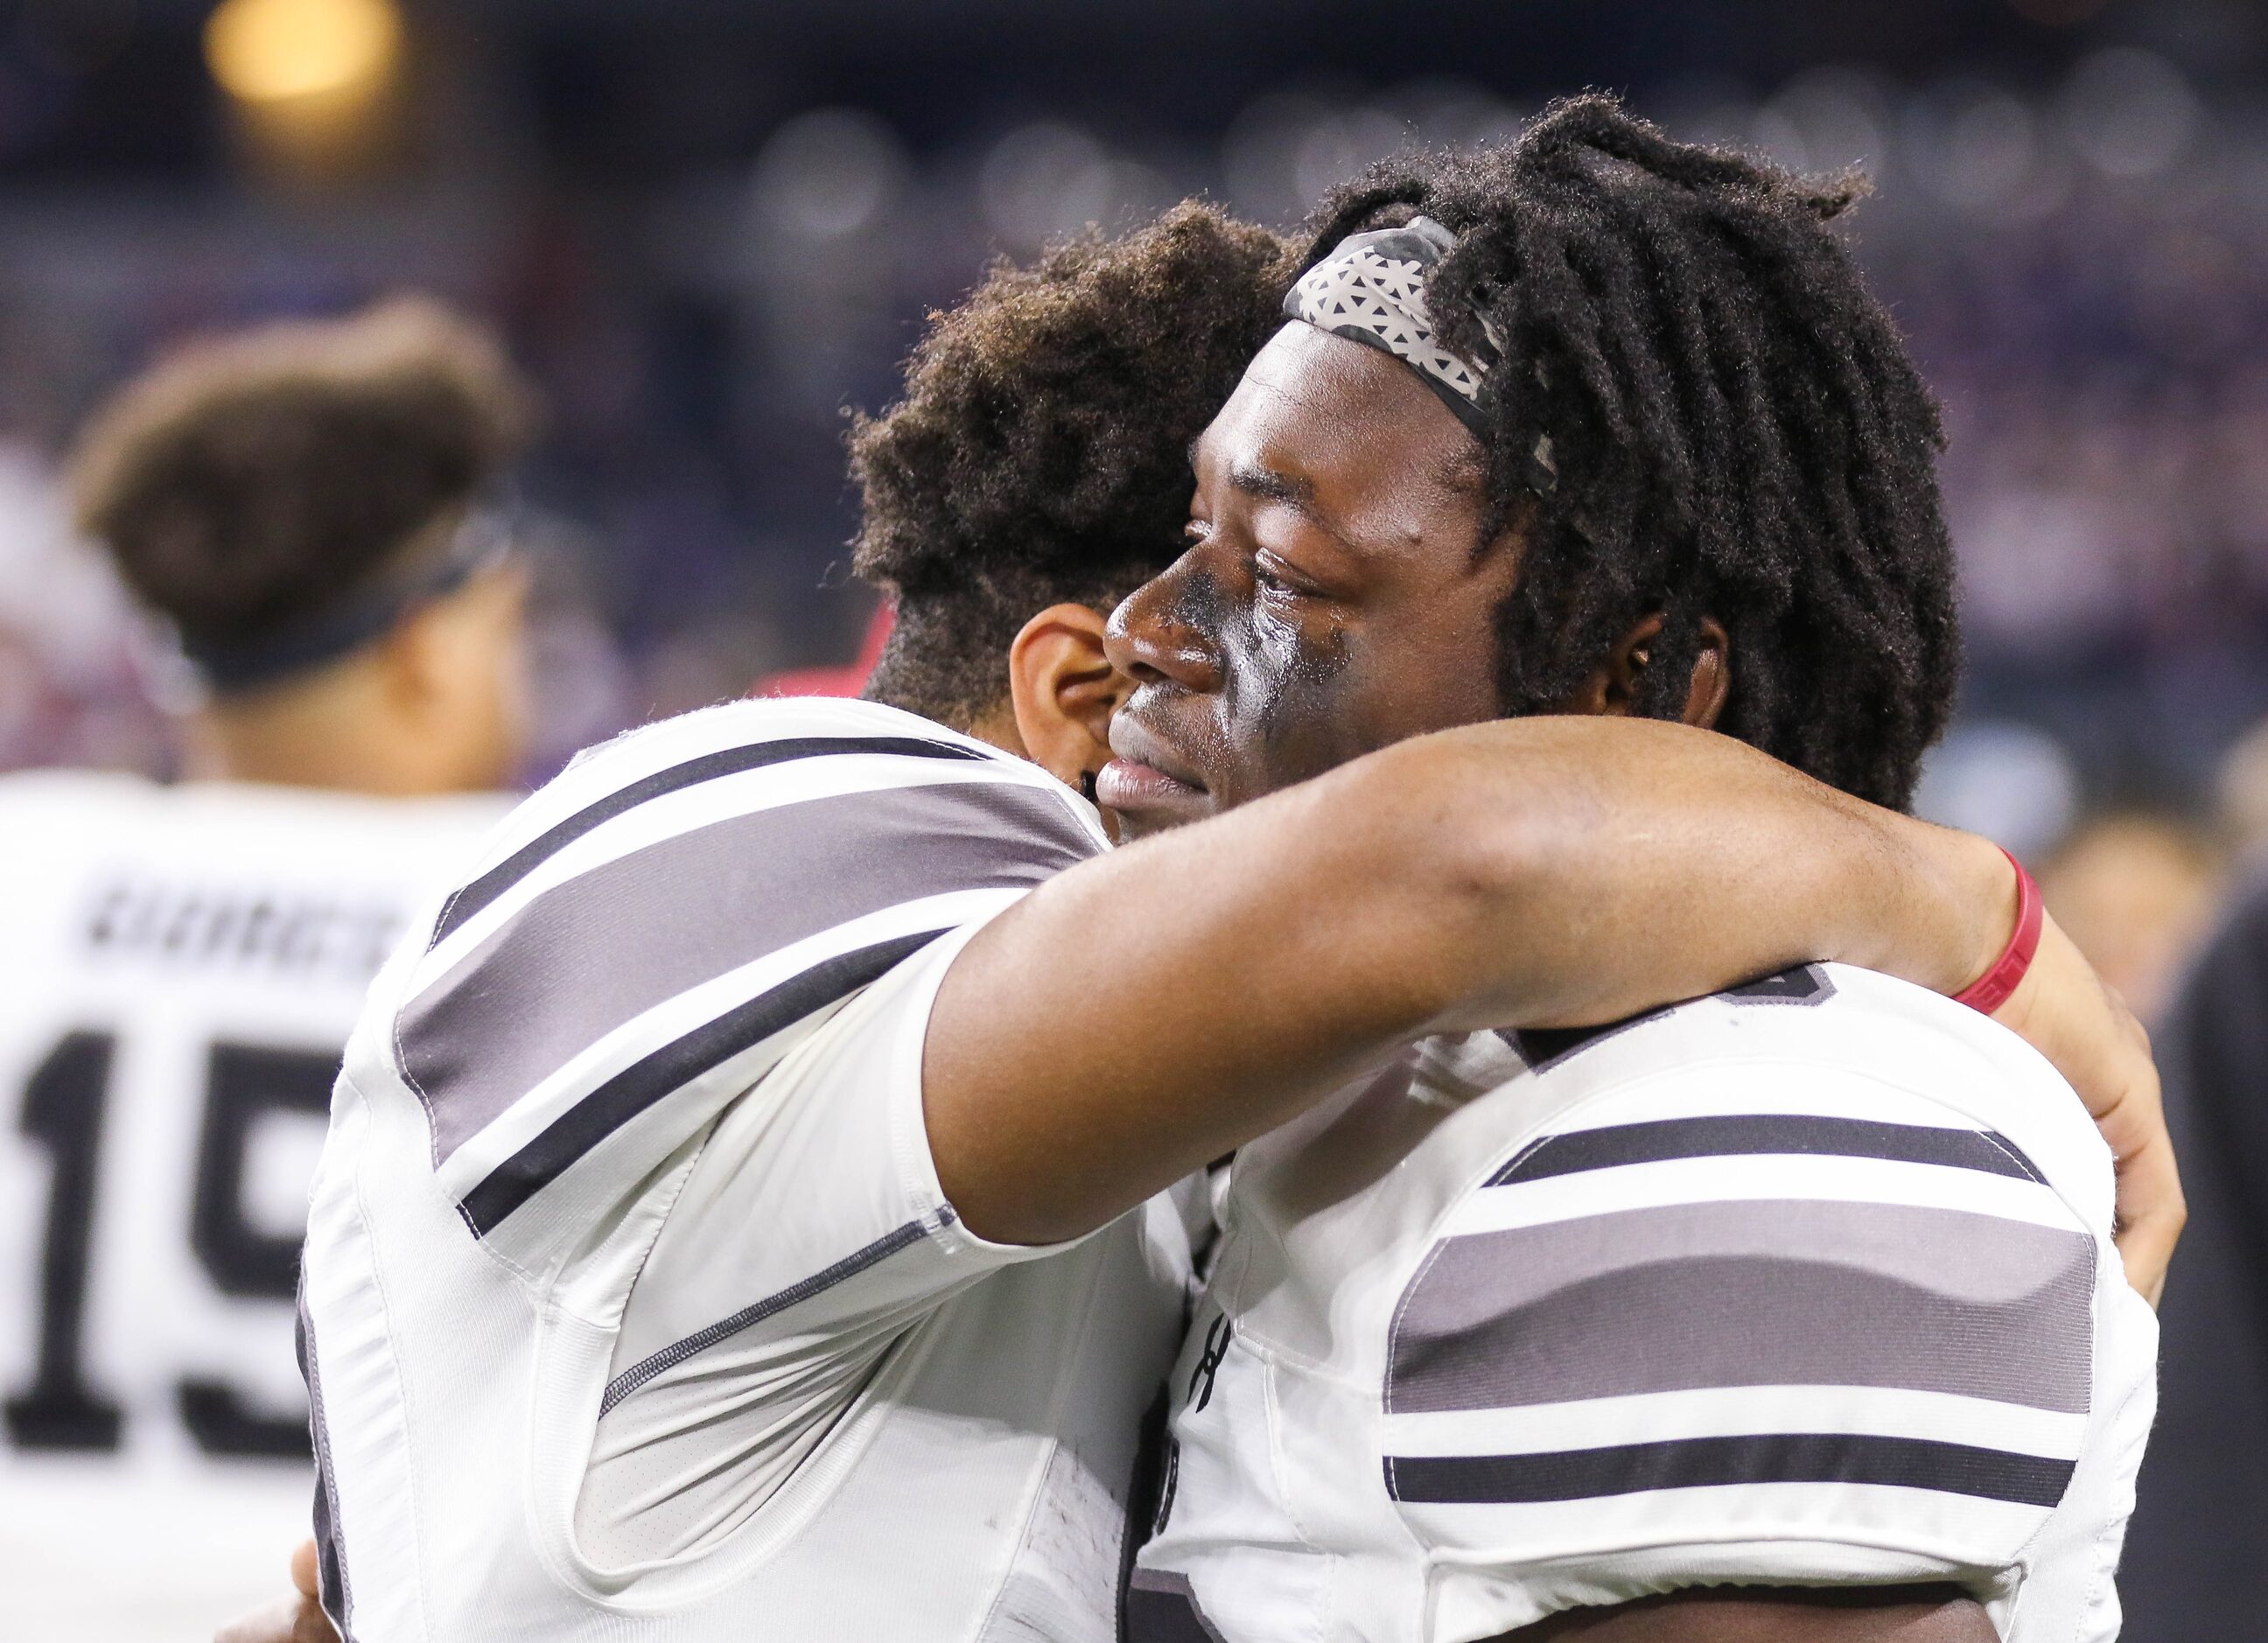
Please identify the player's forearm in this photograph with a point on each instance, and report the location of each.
(1149, 1011)
(1145, 1013)
(1655, 862)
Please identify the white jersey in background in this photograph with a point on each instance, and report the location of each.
(634, 1308)
(181, 967)
(1810, 1283)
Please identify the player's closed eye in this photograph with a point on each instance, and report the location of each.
(1274, 573)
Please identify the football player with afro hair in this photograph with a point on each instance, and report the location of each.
(1040, 453)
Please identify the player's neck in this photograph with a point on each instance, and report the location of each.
(331, 733)
(998, 727)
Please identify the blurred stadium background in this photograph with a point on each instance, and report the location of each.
(707, 226)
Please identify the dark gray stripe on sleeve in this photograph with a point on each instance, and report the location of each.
(332, 1590)
(591, 954)
(1781, 1292)
(1162, 1607)
(1544, 1048)
(1570, 1151)
(1789, 1457)
(708, 768)
(644, 1083)
(1804, 984)
(818, 1284)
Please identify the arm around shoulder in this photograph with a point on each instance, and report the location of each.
(1143, 1013)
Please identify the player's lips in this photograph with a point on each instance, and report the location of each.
(1145, 778)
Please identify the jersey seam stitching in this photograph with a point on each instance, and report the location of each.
(418, 1526)
(639, 1373)
(2006, 1148)
(417, 1088)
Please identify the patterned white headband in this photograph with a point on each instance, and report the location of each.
(1371, 289)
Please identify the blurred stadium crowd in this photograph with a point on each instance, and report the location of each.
(702, 269)
(2076, 251)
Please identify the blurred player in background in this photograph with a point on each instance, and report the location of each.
(304, 509)
(2195, 1568)
(2138, 889)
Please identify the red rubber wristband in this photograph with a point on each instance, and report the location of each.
(1989, 991)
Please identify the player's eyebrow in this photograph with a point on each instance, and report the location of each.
(1256, 481)
(1272, 486)
(1295, 491)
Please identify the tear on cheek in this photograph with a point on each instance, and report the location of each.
(1303, 706)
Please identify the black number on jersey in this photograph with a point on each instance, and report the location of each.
(1208, 1364)
(1806, 984)
(242, 1081)
(1544, 1048)
(63, 1112)
(63, 1108)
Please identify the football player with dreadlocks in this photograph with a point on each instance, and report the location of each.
(1808, 1284)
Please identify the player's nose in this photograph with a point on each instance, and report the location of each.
(1164, 631)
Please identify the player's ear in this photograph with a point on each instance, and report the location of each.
(1063, 690)
(1613, 689)
(1713, 676)
(412, 660)
(449, 673)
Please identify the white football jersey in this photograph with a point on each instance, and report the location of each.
(181, 965)
(633, 1306)
(1810, 1282)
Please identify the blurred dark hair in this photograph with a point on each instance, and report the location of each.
(1040, 454)
(1737, 430)
(251, 482)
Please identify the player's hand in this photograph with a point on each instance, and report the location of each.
(297, 1619)
(2073, 1017)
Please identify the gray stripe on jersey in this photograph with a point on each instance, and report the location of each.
(708, 768)
(589, 955)
(1794, 1292)
(615, 1103)
(818, 1284)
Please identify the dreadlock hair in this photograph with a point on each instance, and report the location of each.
(1736, 429)
(1040, 455)
(254, 480)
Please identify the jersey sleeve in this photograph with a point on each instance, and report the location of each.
(1774, 1323)
(814, 1217)
(662, 930)
(809, 1241)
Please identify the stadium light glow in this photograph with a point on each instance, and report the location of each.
(275, 51)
